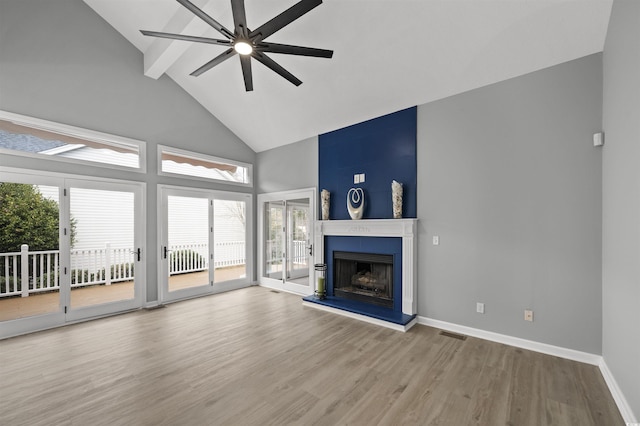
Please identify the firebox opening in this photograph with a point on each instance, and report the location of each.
(365, 277)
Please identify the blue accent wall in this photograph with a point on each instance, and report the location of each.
(384, 149)
(377, 245)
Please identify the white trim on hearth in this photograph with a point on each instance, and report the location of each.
(370, 320)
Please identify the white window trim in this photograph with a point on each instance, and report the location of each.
(205, 157)
(77, 132)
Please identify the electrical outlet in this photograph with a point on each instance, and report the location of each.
(356, 178)
(361, 177)
(528, 315)
(480, 308)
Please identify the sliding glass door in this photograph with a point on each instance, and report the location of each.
(286, 225)
(274, 237)
(187, 248)
(104, 251)
(230, 237)
(70, 249)
(30, 214)
(105, 271)
(205, 241)
(298, 242)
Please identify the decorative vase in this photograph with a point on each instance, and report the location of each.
(355, 196)
(396, 199)
(321, 289)
(325, 196)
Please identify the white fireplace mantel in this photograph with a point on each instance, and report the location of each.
(407, 229)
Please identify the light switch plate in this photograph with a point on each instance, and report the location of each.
(436, 240)
(356, 178)
(361, 177)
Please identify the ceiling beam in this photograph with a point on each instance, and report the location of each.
(163, 53)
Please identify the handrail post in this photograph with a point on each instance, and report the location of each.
(107, 268)
(24, 269)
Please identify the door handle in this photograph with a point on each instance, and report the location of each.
(166, 251)
(310, 249)
(137, 252)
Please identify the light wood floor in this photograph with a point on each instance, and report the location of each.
(256, 357)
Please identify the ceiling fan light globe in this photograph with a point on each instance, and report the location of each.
(243, 48)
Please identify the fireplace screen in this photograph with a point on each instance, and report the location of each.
(363, 276)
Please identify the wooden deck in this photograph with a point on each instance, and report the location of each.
(44, 303)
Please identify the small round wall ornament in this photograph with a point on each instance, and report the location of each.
(355, 203)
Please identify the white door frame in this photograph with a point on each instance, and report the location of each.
(282, 284)
(164, 296)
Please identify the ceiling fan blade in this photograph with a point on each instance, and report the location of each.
(215, 61)
(294, 50)
(270, 63)
(283, 19)
(239, 18)
(186, 38)
(206, 18)
(245, 62)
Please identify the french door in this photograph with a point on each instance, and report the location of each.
(286, 227)
(106, 270)
(297, 240)
(205, 239)
(71, 249)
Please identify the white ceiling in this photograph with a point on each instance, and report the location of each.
(388, 55)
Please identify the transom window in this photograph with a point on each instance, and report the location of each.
(33, 137)
(174, 161)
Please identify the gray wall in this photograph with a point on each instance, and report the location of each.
(60, 61)
(288, 167)
(509, 179)
(621, 200)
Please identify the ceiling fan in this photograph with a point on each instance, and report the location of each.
(247, 43)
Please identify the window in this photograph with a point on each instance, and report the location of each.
(32, 137)
(174, 161)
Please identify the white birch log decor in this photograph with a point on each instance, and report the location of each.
(324, 196)
(396, 199)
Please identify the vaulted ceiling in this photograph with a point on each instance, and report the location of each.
(388, 55)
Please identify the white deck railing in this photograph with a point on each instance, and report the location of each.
(104, 266)
(274, 249)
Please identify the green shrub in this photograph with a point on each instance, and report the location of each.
(121, 271)
(13, 284)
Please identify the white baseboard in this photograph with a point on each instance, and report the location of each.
(618, 397)
(544, 348)
(280, 289)
(587, 358)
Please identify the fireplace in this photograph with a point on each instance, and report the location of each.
(371, 270)
(367, 277)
